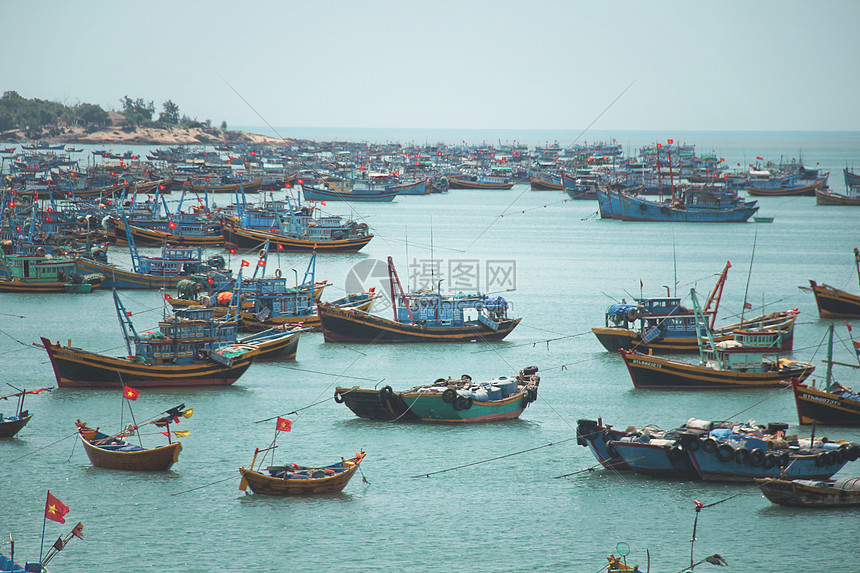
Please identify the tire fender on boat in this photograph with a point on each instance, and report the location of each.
(277, 273)
(725, 452)
(337, 397)
(385, 394)
(449, 396)
(709, 445)
(757, 457)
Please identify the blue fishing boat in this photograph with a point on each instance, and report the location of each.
(662, 324)
(694, 205)
(749, 360)
(190, 348)
(166, 271)
(715, 450)
(421, 317)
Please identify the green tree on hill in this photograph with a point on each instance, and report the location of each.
(137, 112)
(170, 115)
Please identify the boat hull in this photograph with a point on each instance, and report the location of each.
(820, 407)
(655, 461)
(806, 493)
(649, 371)
(341, 325)
(454, 183)
(383, 404)
(154, 238)
(804, 190)
(433, 408)
(244, 238)
(826, 197)
(150, 460)
(11, 426)
(319, 194)
(17, 285)
(269, 485)
(725, 466)
(76, 368)
(596, 438)
(282, 347)
(835, 303)
(117, 278)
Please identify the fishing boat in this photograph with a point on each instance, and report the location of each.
(835, 303)
(832, 404)
(483, 183)
(458, 400)
(8, 563)
(190, 348)
(546, 181)
(173, 231)
(420, 317)
(367, 193)
(277, 343)
(175, 265)
(716, 450)
(749, 360)
(662, 324)
(118, 453)
(293, 229)
(40, 272)
(786, 187)
(692, 205)
(293, 479)
(11, 425)
(842, 492)
(828, 197)
(205, 187)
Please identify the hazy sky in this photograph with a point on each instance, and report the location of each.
(693, 65)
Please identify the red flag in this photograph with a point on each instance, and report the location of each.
(55, 509)
(284, 425)
(232, 251)
(671, 141)
(760, 158)
(245, 263)
(728, 264)
(78, 530)
(747, 306)
(323, 203)
(641, 284)
(857, 348)
(280, 247)
(848, 325)
(171, 225)
(261, 262)
(130, 393)
(167, 297)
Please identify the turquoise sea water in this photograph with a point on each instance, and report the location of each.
(509, 514)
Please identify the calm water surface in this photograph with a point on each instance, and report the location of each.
(504, 515)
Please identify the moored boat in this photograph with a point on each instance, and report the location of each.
(842, 492)
(293, 479)
(189, 349)
(836, 303)
(420, 317)
(833, 403)
(118, 453)
(11, 425)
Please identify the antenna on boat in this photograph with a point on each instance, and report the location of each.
(675, 262)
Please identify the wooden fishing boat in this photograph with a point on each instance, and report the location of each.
(293, 479)
(483, 183)
(661, 324)
(833, 403)
(786, 190)
(11, 425)
(176, 264)
(40, 272)
(843, 492)
(835, 303)
(114, 452)
(376, 194)
(190, 349)
(249, 187)
(546, 182)
(750, 360)
(275, 343)
(207, 235)
(247, 238)
(420, 317)
(827, 196)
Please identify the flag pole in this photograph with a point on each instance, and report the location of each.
(44, 521)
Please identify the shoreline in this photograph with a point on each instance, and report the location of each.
(145, 136)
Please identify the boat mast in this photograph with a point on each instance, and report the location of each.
(132, 248)
(717, 293)
(125, 323)
(829, 375)
(392, 279)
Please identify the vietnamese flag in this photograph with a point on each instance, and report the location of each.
(280, 247)
(261, 263)
(284, 425)
(130, 393)
(55, 510)
(245, 263)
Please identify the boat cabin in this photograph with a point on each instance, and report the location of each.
(435, 310)
(182, 335)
